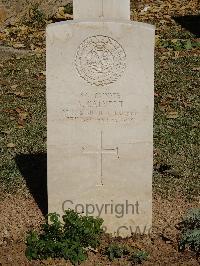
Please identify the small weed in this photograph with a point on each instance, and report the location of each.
(68, 9)
(138, 257)
(190, 228)
(37, 17)
(179, 44)
(116, 251)
(69, 240)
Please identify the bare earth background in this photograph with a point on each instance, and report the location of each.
(23, 126)
(16, 10)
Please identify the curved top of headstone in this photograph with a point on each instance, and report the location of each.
(101, 9)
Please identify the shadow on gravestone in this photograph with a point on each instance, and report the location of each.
(33, 168)
(190, 23)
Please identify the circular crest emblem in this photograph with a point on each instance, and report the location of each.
(100, 60)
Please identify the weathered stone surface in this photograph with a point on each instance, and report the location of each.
(100, 76)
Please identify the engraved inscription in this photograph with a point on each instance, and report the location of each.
(100, 153)
(99, 106)
(100, 60)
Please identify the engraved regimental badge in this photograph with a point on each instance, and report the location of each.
(100, 60)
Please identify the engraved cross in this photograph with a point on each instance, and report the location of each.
(100, 154)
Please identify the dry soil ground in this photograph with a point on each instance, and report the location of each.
(176, 132)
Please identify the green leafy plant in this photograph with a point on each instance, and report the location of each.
(114, 251)
(138, 257)
(68, 240)
(190, 229)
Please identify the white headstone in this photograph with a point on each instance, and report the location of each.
(105, 9)
(100, 89)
